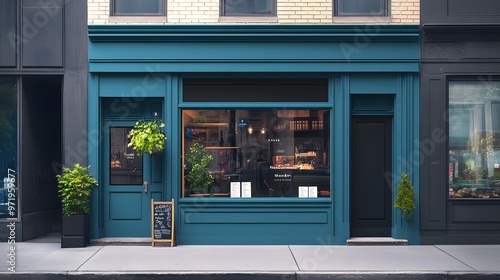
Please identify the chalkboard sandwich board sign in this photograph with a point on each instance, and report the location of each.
(162, 222)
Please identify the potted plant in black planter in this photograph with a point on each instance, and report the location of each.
(147, 137)
(75, 186)
(198, 177)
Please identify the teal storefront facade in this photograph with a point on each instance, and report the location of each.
(336, 109)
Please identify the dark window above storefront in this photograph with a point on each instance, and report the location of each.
(255, 90)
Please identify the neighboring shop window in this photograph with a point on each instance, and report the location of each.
(256, 153)
(125, 164)
(361, 7)
(137, 7)
(8, 149)
(474, 139)
(248, 7)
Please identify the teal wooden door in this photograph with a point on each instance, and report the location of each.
(130, 182)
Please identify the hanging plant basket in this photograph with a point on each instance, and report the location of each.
(147, 137)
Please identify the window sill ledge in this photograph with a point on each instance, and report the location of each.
(137, 19)
(223, 19)
(375, 19)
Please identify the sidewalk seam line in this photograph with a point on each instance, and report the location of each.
(89, 258)
(294, 259)
(435, 246)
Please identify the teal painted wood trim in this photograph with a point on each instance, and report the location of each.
(254, 223)
(330, 239)
(150, 83)
(341, 158)
(95, 222)
(406, 152)
(255, 217)
(252, 48)
(383, 83)
(171, 140)
(225, 202)
(254, 105)
(251, 32)
(389, 66)
(175, 145)
(372, 104)
(319, 240)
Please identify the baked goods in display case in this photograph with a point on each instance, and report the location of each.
(475, 191)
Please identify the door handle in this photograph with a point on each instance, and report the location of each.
(145, 186)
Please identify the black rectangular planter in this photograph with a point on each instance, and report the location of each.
(74, 231)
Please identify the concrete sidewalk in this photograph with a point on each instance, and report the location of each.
(49, 261)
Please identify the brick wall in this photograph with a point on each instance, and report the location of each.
(288, 12)
(98, 11)
(193, 11)
(304, 11)
(405, 11)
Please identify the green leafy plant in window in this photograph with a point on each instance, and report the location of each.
(147, 137)
(75, 186)
(199, 176)
(200, 119)
(405, 197)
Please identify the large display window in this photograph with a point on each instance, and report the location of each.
(474, 139)
(248, 153)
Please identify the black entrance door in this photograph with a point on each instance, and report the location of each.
(371, 166)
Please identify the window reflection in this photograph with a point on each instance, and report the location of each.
(263, 153)
(8, 147)
(126, 166)
(138, 7)
(361, 7)
(474, 139)
(248, 7)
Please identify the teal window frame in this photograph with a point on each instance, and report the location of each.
(328, 105)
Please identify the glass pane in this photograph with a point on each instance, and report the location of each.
(138, 7)
(8, 148)
(256, 153)
(126, 166)
(474, 139)
(361, 7)
(248, 7)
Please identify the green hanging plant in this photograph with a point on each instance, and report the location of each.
(146, 137)
(405, 197)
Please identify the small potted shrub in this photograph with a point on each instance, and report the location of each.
(198, 177)
(147, 137)
(75, 186)
(405, 197)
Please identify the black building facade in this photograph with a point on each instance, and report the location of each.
(460, 122)
(43, 109)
